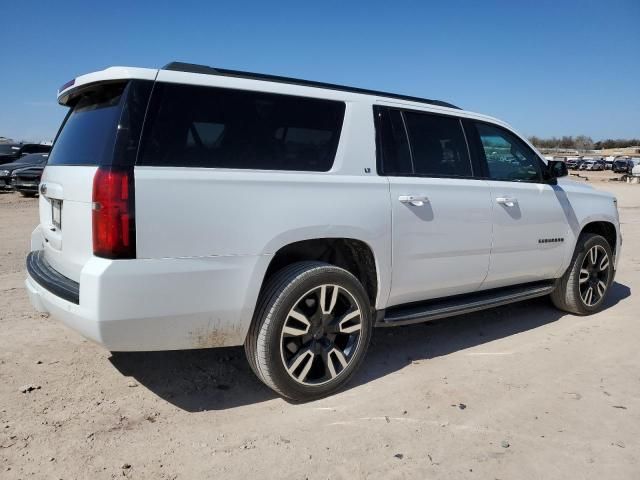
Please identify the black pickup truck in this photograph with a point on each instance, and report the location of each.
(6, 170)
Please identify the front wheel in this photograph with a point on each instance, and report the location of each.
(582, 289)
(311, 330)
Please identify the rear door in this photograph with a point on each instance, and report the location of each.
(441, 215)
(529, 223)
(102, 128)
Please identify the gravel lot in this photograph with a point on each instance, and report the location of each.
(523, 391)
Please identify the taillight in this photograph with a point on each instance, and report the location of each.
(114, 231)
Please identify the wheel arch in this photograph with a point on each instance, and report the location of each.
(605, 229)
(354, 255)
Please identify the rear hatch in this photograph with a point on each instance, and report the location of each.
(101, 131)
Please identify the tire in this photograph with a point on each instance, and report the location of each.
(311, 330)
(571, 293)
(28, 194)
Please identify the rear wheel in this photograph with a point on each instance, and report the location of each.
(311, 330)
(29, 194)
(583, 288)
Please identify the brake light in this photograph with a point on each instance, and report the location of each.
(113, 219)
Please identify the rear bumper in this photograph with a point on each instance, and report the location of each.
(163, 304)
(42, 273)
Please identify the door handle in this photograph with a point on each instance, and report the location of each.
(415, 200)
(507, 201)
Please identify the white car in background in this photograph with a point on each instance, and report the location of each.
(195, 207)
(592, 165)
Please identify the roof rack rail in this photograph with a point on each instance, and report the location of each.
(194, 68)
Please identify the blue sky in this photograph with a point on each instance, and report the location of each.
(546, 67)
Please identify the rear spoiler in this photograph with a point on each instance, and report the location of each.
(74, 87)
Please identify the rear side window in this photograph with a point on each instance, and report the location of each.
(438, 146)
(421, 144)
(195, 126)
(392, 143)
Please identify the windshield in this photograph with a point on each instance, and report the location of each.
(37, 158)
(88, 133)
(8, 149)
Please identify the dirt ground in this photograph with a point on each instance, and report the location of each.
(523, 391)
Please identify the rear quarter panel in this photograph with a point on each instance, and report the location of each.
(199, 212)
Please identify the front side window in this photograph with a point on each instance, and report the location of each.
(195, 126)
(508, 158)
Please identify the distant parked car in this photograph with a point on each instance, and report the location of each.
(592, 165)
(632, 164)
(10, 152)
(621, 166)
(27, 180)
(608, 163)
(574, 163)
(35, 159)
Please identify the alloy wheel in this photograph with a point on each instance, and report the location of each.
(594, 276)
(321, 335)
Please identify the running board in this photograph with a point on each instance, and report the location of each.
(460, 304)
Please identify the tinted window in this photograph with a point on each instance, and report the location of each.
(197, 126)
(207, 135)
(87, 135)
(33, 158)
(430, 145)
(9, 149)
(438, 146)
(508, 158)
(35, 149)
(393, 145)
(103, 126)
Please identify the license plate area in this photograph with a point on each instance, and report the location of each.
(56, 213)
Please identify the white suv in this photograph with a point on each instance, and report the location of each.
(193, 207)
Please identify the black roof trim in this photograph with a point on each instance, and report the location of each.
(193, 68)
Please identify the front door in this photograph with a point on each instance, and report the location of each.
(529, 224)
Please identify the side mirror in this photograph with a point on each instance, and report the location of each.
(556, 169)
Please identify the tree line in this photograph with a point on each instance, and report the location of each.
(582, 142)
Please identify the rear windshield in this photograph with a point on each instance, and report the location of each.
(195, 126)
(87, 135)
(103, 127)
